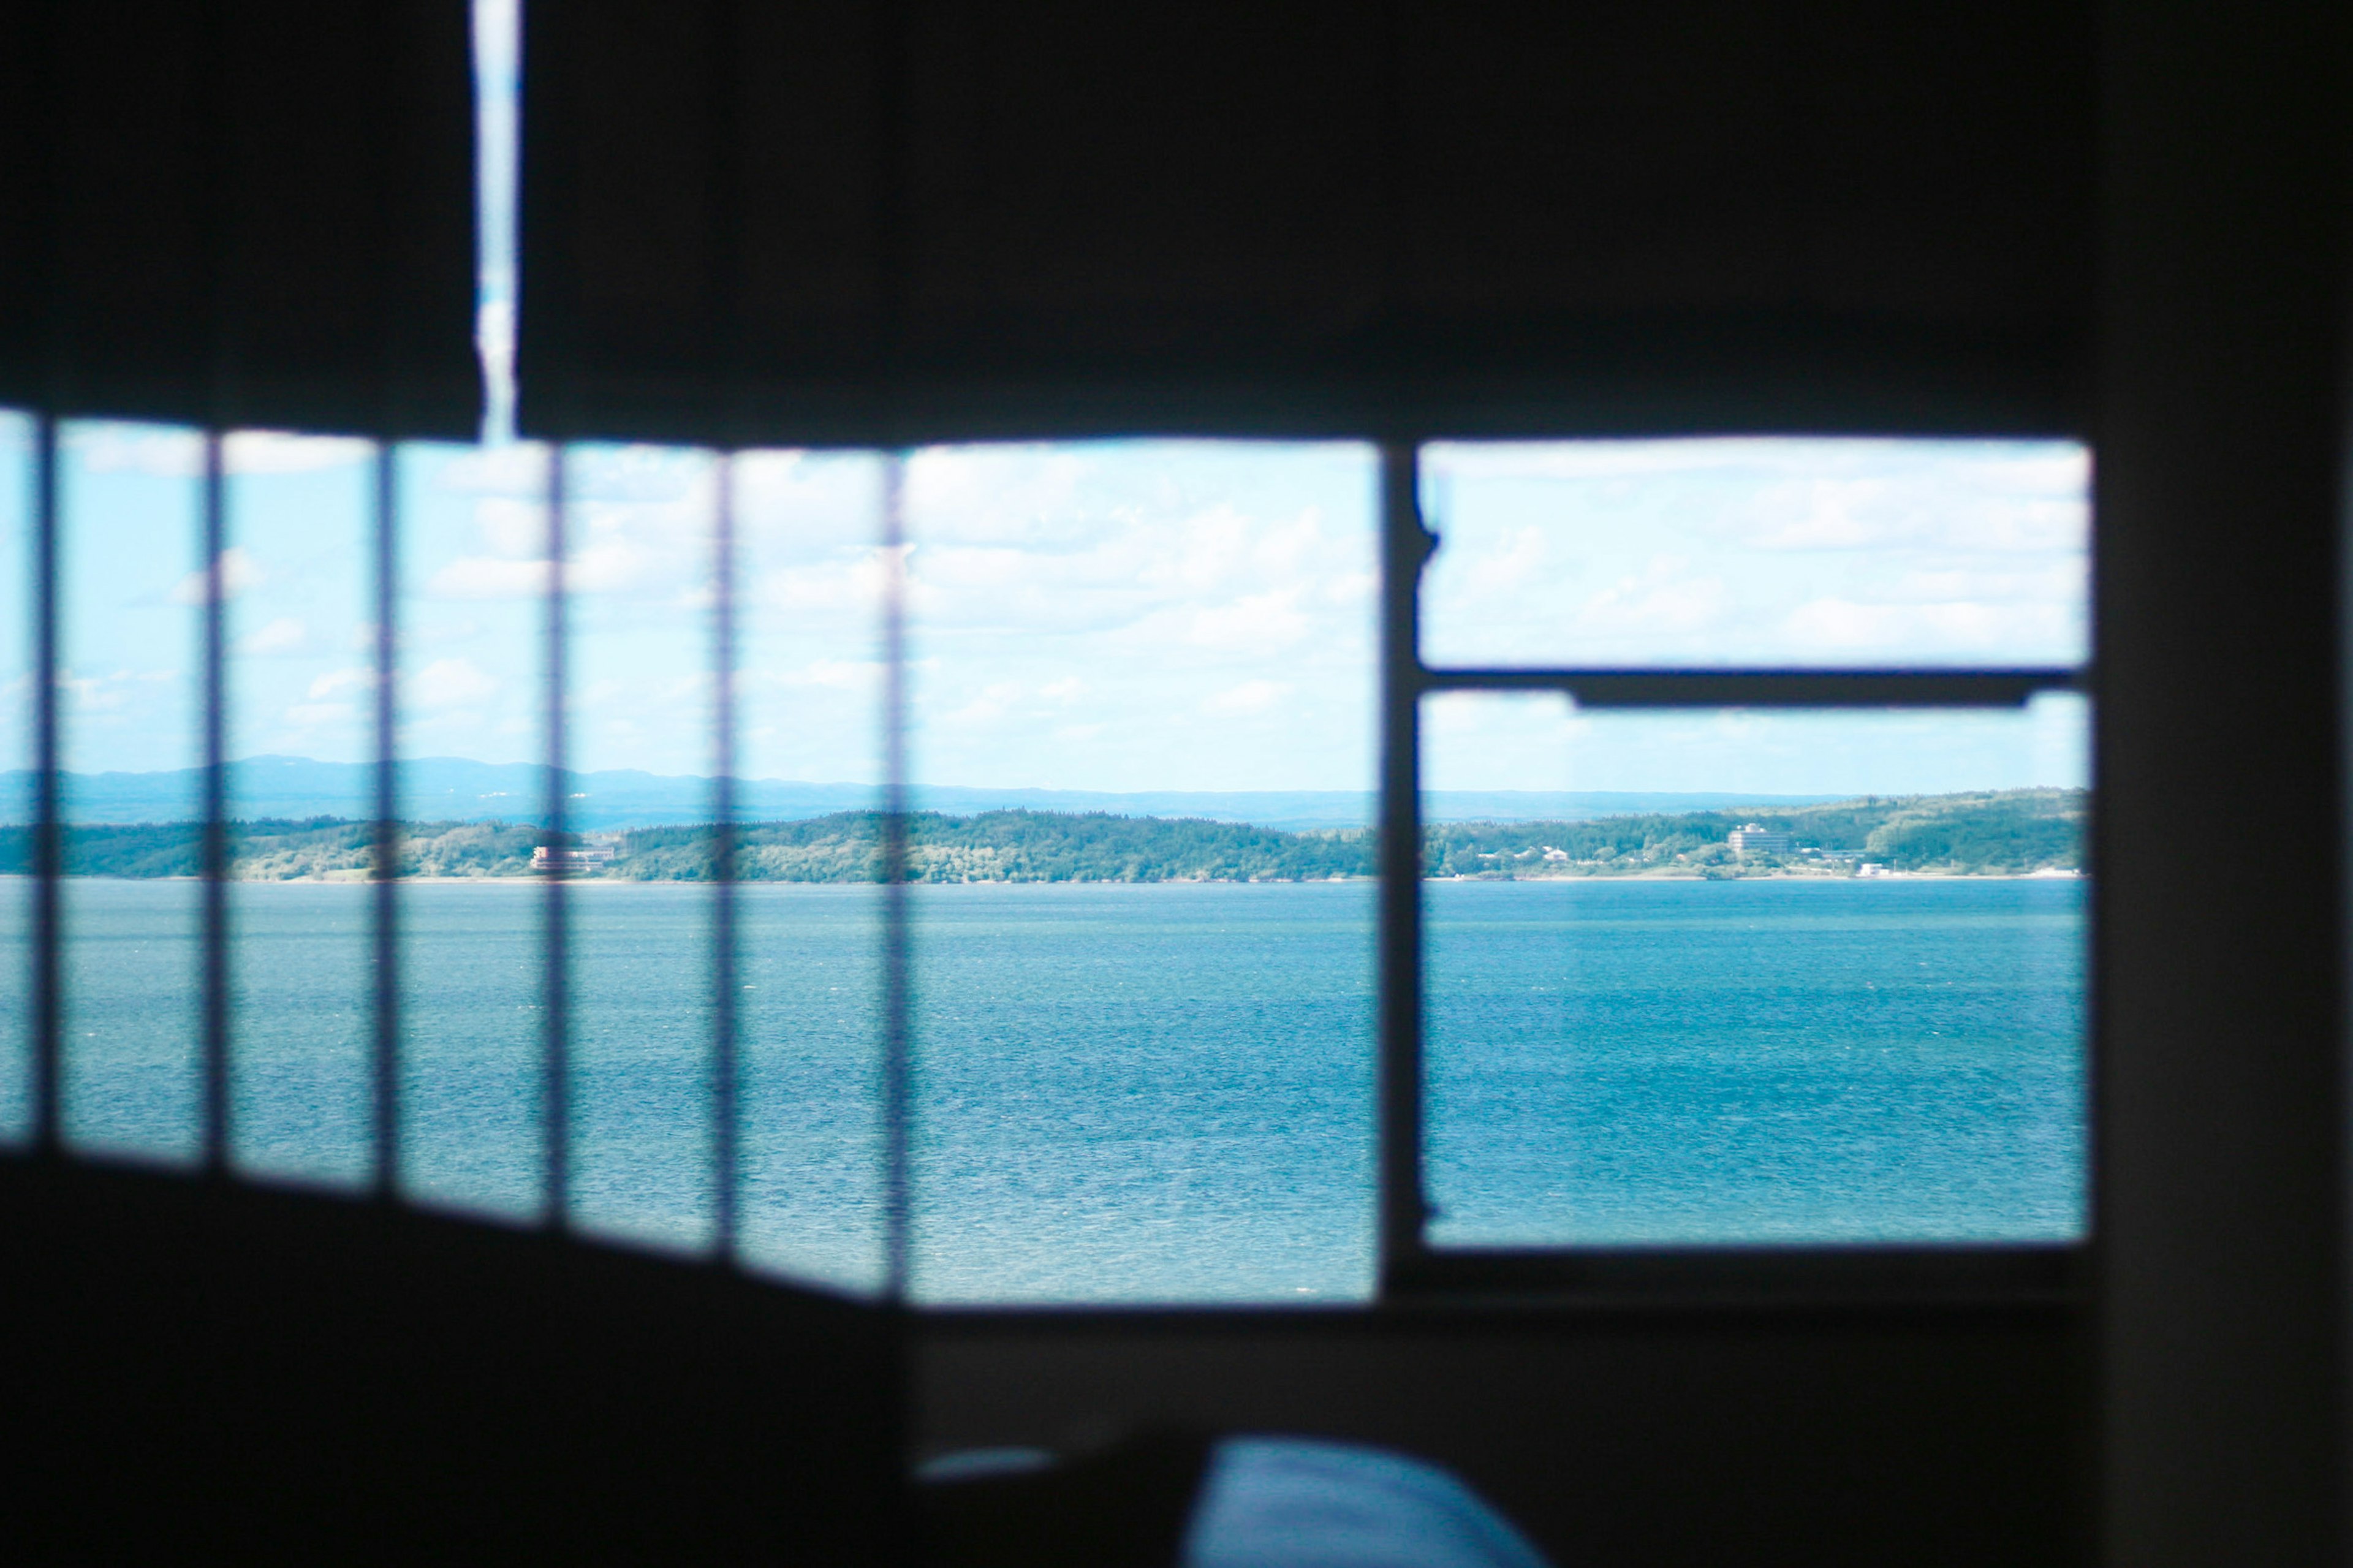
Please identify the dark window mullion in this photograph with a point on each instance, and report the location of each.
(1776, 687)
(214, 854)
(725, 1022)
(555, 1082)
(385, 933)
(897, 1043)
(1406, 549)
(48, 858)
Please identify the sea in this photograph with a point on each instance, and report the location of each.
(1132, 1093)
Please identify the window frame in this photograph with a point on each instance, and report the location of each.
(1411, 1266)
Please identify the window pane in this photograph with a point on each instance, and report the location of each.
(473, 566)
(809, 963)
(302, 687)
(1825, 985)
(1144, 1062)
(17, 760)
(1758, 552)
(639, 536)
(132, 593)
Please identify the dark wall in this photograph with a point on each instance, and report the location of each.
(2222, 990)
(1692, 1437)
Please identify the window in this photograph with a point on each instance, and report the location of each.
(1783, 952)
(312, 662)
(1817, 980)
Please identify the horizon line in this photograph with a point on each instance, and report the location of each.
(1367, 791)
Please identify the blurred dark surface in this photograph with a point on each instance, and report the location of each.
(270, 1375)
(878, 222)
(198, 1369)
(1633, 1437)
(1122, 1504)
(239, 212)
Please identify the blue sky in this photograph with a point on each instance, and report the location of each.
(1109, 615)
(1116, 615)
(1755, 552)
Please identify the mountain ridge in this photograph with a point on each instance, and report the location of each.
(459, 789)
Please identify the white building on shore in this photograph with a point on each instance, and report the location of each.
(1756, 837)
(580, 858)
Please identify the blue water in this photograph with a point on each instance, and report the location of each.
(1142, 1094)
(1784, 1060)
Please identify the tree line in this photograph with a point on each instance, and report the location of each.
(2007, 832)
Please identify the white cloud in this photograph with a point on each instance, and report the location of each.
(610, 566)
(1839, 515)
(278, 452)
(448, 683)
(1260, 622)
(284, 635)
(511, 527)
(158, 451)
(1509, 566)
(336, 680)
(1250, 697)
(176, 453)
(850, 580)
(1754, 549)
(320, 715)
(1000, 495)
(1844, 624)
(517, 468)
(239, 571)
(1662, 599)
(112, 693)
(992, 704)
(838, 674)
(1204, 552)
(489, 577)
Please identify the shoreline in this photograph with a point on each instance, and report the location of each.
(528, 880)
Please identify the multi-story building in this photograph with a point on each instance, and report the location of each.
(1754, 837)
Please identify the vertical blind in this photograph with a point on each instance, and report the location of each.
(880, 222)
(239, 212)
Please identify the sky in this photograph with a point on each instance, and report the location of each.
(1121, 616)
(1756, 553)
(1107, 615)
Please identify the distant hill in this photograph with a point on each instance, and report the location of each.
(2011, 832)
(2000, 833)
(454, 789)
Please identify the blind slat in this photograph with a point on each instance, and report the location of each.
(239, 212)
(890, 222)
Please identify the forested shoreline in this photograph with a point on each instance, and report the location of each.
(2006, 833)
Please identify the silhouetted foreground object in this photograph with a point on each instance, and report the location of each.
(239, 212)
(1304, 1504)
(204, 1369)
(1124, 1507)
(1168, 1497)
(872, 222)
(197, 1369)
